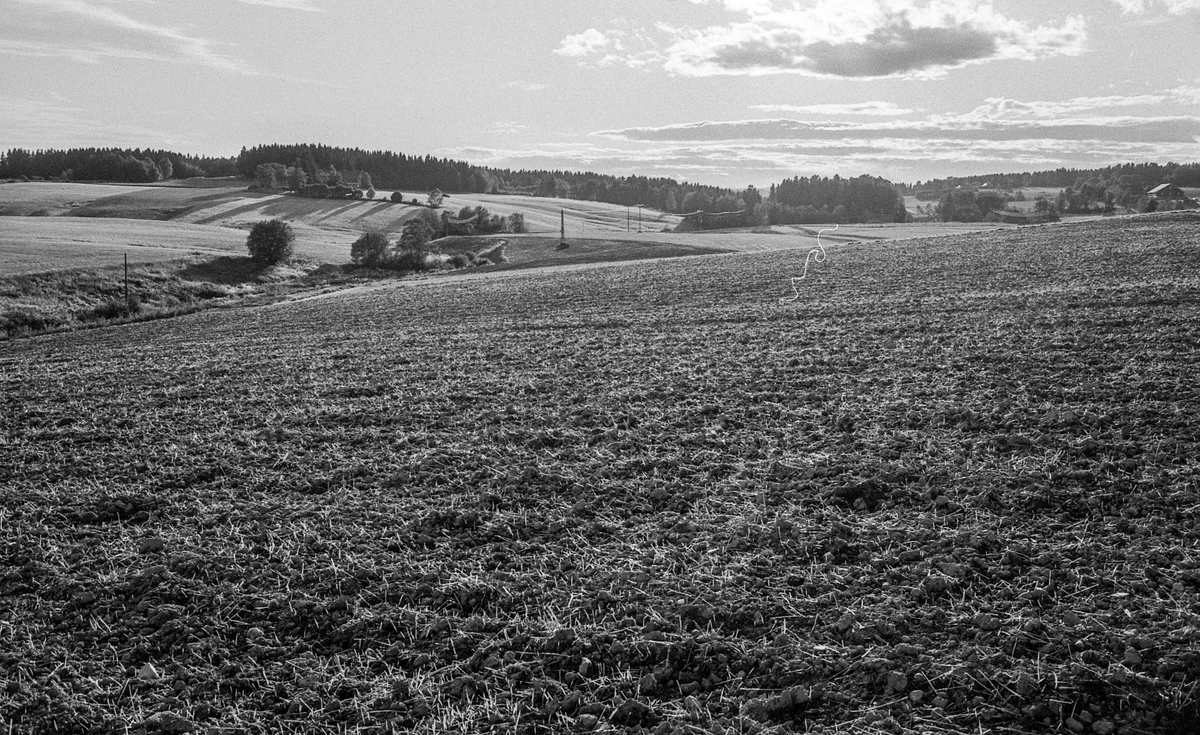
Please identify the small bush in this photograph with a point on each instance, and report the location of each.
(112, 309)
(271, 241)
(495, 255)
(370, 193)
(370, 250)
(459, 260)
(397, 197)
(27, 321)
(407, 260)
(211, 291)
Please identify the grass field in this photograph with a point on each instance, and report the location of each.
(29, 244)
(326, 229)
(951, 488)
(52, 199)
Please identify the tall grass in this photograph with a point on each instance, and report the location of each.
(36, 303)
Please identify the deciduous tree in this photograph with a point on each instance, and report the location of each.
(415, 236)
(271, 241)
(371, 250)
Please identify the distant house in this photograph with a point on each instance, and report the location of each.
(1167, 191)
(710, 221)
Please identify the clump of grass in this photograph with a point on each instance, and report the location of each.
(36, 303)
(22, 321)
(112, 309)
(493, 255)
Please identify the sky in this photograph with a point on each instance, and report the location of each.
(723, 92)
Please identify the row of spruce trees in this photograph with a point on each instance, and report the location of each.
(125, 165)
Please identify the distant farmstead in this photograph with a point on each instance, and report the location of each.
(711, 221)
(1167, 191)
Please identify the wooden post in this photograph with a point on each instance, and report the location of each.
(562, 224)
(126, 283)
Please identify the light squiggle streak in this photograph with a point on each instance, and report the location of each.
(816, 255)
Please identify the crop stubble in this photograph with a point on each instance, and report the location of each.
(953, 488)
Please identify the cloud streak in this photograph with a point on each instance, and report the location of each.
(1166, 129)
(765, 162)
(999, 134)
(1172, 7)
(124, 37)
(301, 5)
(67, 125)
(874, 109)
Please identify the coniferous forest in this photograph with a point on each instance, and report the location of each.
(124, 165)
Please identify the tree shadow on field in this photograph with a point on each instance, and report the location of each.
(227, 270)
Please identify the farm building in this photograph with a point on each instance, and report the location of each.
(710, 221)
(1167, 191)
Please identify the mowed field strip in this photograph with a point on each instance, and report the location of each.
(951, 488)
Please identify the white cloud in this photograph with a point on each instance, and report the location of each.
(881, 109)
(857, 39)
(589, 42)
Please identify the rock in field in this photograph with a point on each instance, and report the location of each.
(167, 722)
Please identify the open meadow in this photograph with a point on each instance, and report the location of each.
(29, 244)
(326, 228)
(951, 487)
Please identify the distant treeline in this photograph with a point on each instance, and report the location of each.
(390, 170)
(1180, 174)
(136, 165)
(816, 200)
(799, 200)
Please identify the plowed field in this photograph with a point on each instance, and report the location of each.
(952, 488)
